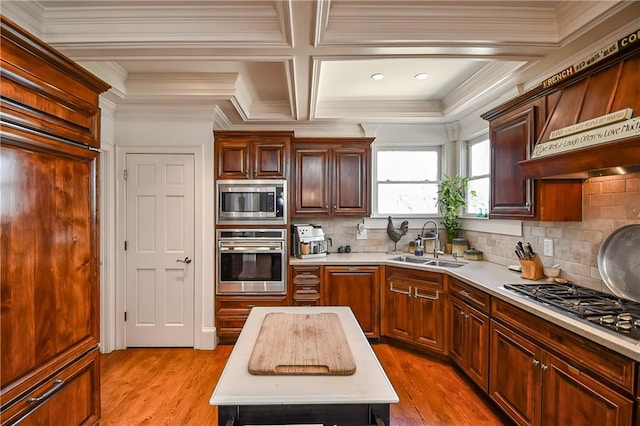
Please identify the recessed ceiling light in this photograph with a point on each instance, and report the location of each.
(421, 76)
(377, 76)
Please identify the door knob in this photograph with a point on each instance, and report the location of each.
(185, 260)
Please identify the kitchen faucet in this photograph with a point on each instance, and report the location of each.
(436, 244)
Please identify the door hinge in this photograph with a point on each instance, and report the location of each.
(125, 316)
(125, 246)
(125, 174)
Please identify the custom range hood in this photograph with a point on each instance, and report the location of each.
(585, 100)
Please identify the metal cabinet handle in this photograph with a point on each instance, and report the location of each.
(574, 369)
(408, 293)
(535, 362)
(544, 367)
(426, 296)
(57, 384)
(185, 260)
(465, 293)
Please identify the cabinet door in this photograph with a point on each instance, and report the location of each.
(312, 186)
(397, 319)
(232, 159)
(512, 139)
(570, 396)
(232, 313)
(457, 340)
(477, 347)
(429, 317)
(49, 258)
(351, 182)
(70, 397)
(270, 159)
(358, 288)
(515, 375)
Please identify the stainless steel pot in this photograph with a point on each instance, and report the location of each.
(619, 262)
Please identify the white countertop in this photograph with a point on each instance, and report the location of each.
(368, 385)
(491, 278)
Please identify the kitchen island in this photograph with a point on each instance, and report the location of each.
(358, 399)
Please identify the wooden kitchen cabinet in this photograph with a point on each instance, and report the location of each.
(49, 325)
(469, 327)
(252, 155)
(232, 313)
(542, 375)
(513, 135)
(331, 177)
(306, 282)
(357, 287)
(413, 305)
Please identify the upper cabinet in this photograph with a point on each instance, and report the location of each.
(252, 155)
(513, 137)
(331, 177)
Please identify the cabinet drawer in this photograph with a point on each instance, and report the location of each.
(303, 300)
(580, 352)
(70, 396)
(425, 279)
(305, 274)
(300, 288)
(242, 305)
(470, 294)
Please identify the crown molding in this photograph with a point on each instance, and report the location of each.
(481, 85)
(28, 14)
(379, 110)
(224, 24)
(387, 24)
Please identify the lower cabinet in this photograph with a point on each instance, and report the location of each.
(306, 282)
(413, 305)
(357, 287)
(71, 396)
(469, 343)
(469, 326)
(535, 386)
(232, 312)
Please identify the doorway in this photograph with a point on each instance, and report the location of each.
(159, 250)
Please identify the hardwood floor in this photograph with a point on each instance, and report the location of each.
(173, 386)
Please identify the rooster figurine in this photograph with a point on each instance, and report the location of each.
(396, 234)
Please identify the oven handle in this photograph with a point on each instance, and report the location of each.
(261, 247)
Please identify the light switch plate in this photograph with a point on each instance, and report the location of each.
(548, 247)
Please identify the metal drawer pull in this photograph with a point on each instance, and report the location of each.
(425, 296)
(544, 367)
(535, 362)
(57, 384)
(574, 369)
(470, 297)
(408, 293)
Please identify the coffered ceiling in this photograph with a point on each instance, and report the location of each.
(301, 62)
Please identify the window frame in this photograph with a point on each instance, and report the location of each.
(467, 167)
(407, 148)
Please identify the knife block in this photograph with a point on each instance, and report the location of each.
(532, 269)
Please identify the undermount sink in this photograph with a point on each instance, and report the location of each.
(430, 262)
(445, 263)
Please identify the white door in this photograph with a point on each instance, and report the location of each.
(159, 250)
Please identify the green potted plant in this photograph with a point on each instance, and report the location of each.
(452, 196)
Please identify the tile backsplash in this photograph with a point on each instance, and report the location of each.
(608, 203)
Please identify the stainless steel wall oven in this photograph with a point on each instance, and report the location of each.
(251, 261)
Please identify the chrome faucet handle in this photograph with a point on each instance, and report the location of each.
(437, 252)
(455, 255)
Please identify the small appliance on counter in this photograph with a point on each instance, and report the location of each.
(309, 241)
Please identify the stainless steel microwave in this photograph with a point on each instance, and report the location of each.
(243, 201)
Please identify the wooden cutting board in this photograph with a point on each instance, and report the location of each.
(303, 344)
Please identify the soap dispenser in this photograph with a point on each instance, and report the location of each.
(418, 244)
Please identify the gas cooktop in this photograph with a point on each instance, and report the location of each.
(619, 315)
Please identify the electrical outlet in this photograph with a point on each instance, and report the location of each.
(548, 247)
(361, 235)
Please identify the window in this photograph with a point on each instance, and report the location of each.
(407, 180)
(478, 165)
